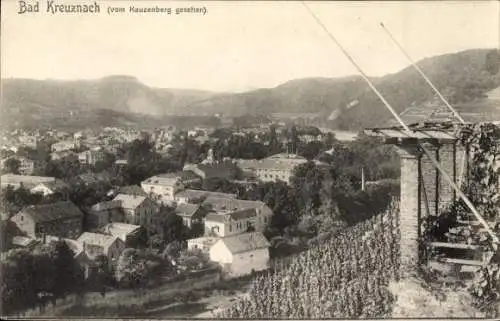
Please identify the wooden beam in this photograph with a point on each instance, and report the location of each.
(461, 246)
(461, 261)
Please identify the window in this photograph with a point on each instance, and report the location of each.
(22, 218)
(230, 227)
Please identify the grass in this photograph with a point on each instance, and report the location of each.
(167, 298)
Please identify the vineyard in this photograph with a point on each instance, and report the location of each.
(347, 277)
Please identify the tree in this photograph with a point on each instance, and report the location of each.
(103, 276)
(131, 268)
(173, 227)
(12, 165)
(172, 250)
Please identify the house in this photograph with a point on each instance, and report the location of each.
(263, 212)
(95, 244)
(51, 188)
(279, 167)
(64, 155)
(192, 214)
(94, 178)
(100, 214)
(91, 157)
(202, 243)
(65, 145)
(27, 166)
(229, 223)
(85, 263)
(123, 231)
(23, 242)
(121, 162)
(62, 219)
(27, 181)
(210, 170)
(162, 187)
(139, 210)
(132, 190)
(197, 196)
(241, 254)
(186, 177)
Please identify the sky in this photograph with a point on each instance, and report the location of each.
(237, 46)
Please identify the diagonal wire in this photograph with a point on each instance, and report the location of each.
(409, 133)
(455, 113)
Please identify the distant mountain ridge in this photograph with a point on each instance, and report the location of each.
(347, 102)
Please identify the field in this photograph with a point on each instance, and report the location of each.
(346, 277)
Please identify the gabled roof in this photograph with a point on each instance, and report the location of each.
(220, 204)
(245, 242)
(56, 185)
(24, 179)
(243, 214)
(194, 193)
(186, 209)
(120, 230)
(215, 217)
(130, 201)
(52, 212)
(162, 179)
(132, 190)
(103, 206)
(103, 240)
(23, 241)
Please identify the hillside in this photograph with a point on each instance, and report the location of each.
(110, 101)
(347, 102)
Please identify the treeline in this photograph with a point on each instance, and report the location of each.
(39, 276)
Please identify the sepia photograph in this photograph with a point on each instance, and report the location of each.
(249, 159)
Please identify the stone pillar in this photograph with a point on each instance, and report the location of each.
(409, 207)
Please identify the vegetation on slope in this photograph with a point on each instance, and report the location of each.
(461, 76)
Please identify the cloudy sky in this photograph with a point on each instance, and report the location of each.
(237, 45)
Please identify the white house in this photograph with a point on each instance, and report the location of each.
(241, 254)
(64, 146)
(222, 205)
(95, 244)
(50, 188)
(202, 243)
(138, 210)
(230, 223)
(121, 230)
(162, 187)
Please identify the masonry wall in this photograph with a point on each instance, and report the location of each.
(424, 191)
(409, 209)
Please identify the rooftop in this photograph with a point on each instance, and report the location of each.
(25, 179)
(219, 203)
(97, 239)
(120, 230)
(186, 209)
(52, 212)
(194, 193)
(245, 242)
(132, 190)
(130, 201)
(162, 179)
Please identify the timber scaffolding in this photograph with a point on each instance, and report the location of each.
(426, 192)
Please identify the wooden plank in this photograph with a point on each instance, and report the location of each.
(475, 223)
(460, 261)
(461, 246)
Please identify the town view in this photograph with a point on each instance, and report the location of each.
(339, 196)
